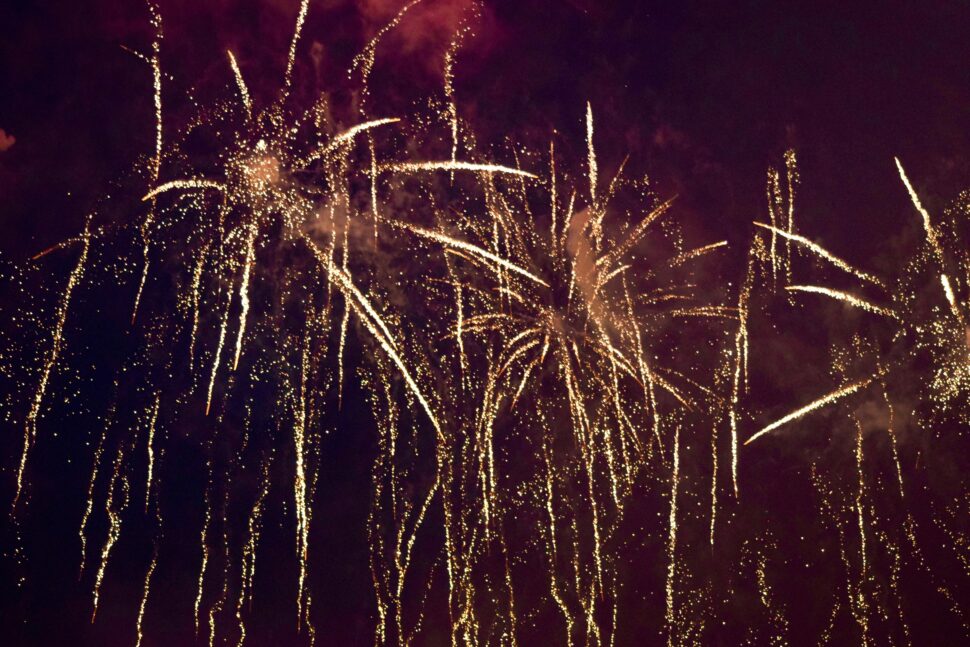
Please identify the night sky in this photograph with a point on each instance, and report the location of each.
(703, 96)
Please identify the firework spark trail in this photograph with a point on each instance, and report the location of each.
(248, 561)
(365, 60)
(190, 183)
(346, 137)
(821, 252)
(845, 297)
(606, 261)
(739, 376)
(714, 427)
(155, 61)
(931, 234)
(775, 613)
(468, 247)
(244, 293)
(591, 154)
(950, 296)
(553, 551)
(291, 56)
(218, 353)
(195, 302)
(240, 83)
(772, 191)
(672, 540)
(300, 487)
(451, 111)
(447, 165)
(151, 450)
(691, 254)
(216, 608)
(203, 542)
(375, 325)
(861, 604)
(838, 394)
(57, 344)
(89, 503)
(114, 513)
(792, 178)
(144, 597)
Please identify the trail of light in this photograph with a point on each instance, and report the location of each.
(223, 596)
(291, 57)
(151, 449)
(218, 354)
(764, 591)
(203, 542)
(468, 247)
(376, 326)
(773, 190)
(791, 174)
(300, 487)
(89, 505)
(845, 297)
(931, 234)
(348, 136)
(248, 566)
(672, 541)
(812, 406)
(950, 297)
(244, 294)
(606, 261)
(821, 252)
(144, 596)
(682, 258)
(57, 343)
(366, 58)
(195, 300)
(240, 83)
(114, 524)
(864, 572)
(714, 428)
(591, 153)
(156, 20)
(190, 183)
(451, 110)
(447, 165)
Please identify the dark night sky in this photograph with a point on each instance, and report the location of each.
(703, 95)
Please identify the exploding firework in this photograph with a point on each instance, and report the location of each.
(561, 390)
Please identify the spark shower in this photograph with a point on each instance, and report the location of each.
(555, 392)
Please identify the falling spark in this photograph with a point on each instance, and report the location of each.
(114, 511)
(151, 450)
(950, 297)
(183, 184)
(672, 539)
(845, 297)
(931, 234)
(468, 247)
(821, 252)
(291, 56)
(447, 165)
(203, 541)
(218, 355)
(591, 153)
(57, 344)
(812, 406)
(244, 295)
(240, 83)
(144, 597)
